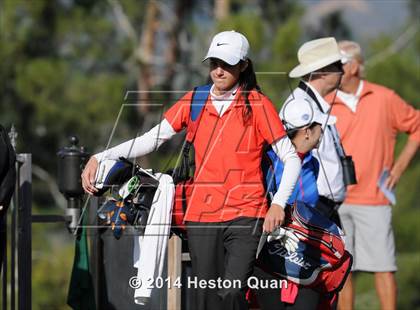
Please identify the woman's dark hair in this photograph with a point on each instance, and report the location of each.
(248, 82)
(291, 133)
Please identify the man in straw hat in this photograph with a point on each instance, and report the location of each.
(369, 116)
(319, 71)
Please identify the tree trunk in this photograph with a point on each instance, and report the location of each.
(221, 9)
(146, 48)
(182, 8)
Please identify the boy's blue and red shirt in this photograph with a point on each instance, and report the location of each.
(306, 189)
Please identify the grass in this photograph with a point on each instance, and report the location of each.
(408, 282)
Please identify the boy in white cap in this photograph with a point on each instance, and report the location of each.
(227, 205)
(304, 126)
(320, 71)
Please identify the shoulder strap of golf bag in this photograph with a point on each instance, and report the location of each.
(198, 101)
(181, 176)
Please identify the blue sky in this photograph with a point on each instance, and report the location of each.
(367, 19)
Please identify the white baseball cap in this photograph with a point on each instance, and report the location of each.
(229, 46)
(314, 55)
(298, 113)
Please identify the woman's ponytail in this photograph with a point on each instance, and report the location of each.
(248, 82)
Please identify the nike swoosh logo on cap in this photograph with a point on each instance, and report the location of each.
(218, 44)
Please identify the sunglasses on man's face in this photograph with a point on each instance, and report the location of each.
(333, 68)
(337, 67)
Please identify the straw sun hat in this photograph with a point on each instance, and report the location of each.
(314, 55)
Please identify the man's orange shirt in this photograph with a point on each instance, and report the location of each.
(228, 181)
(369, 135)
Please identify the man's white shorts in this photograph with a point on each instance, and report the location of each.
(369, 237)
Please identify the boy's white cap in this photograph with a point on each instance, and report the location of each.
(298, 113)
(229, 46)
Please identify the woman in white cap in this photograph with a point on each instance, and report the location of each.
(227, 205)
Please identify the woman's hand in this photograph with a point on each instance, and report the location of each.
(274, 218)
(88, 176)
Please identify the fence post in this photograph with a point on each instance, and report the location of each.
(174, 272)
(25, 232)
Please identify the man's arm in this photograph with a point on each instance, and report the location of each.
(405, 118)
(401, 164)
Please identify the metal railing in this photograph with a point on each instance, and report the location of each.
(17, 234)
(16, 274)
(20, 263)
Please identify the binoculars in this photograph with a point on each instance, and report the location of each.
(349, 173)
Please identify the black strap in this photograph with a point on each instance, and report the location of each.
(184, 197)
(182, 173)
(188, 144)
(338, 146)
(311, 94)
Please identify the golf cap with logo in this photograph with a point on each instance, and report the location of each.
(315, 55)
(229, 46)
(298, 113)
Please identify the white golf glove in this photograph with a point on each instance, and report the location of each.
(288, 239)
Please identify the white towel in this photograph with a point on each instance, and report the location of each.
(150, 249)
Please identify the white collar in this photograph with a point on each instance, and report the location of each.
(228, 95)
(351, 100)
(358, 91)
(222, 102)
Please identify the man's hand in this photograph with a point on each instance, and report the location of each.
(274, 218)
(394, 177)
(88, 176)
(401, 164)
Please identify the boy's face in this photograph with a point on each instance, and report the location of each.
(314, 135)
